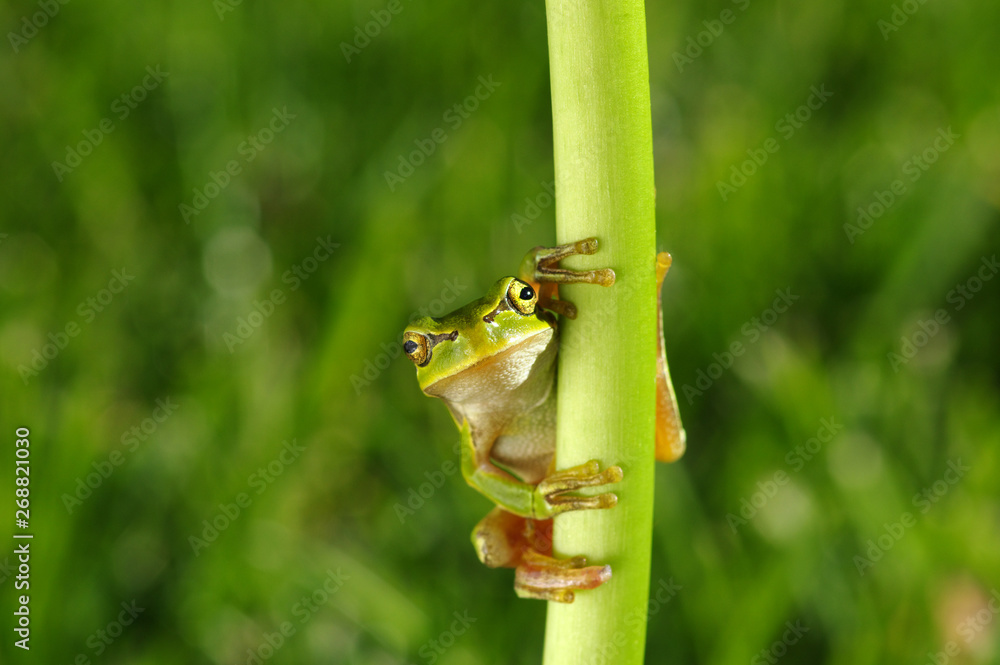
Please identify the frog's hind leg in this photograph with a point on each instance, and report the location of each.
(501, 539)
(504, 540)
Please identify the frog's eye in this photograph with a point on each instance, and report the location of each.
(521, 297)
(417, 348)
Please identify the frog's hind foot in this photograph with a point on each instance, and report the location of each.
(541, 268)
(541, 265)
(543, 577)
(505, 540)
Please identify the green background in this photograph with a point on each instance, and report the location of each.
(323, 368)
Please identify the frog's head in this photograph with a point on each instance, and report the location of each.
(501, 320)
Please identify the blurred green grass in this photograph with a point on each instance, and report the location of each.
(448, 229)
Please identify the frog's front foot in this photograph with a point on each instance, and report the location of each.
(543, 577)
(550, 494)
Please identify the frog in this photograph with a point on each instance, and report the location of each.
(493, 364)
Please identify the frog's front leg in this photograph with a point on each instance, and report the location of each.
(540, 266)
(505, 540)
(539, 501)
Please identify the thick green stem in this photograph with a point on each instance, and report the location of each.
(607, 362)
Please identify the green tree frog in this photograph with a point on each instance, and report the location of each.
(493, 363)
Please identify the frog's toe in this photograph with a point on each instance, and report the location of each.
(555, 595)
(584, 475)
(544, 577)
(543, 264)
(564, 504)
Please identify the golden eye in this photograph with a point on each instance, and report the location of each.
(521, 297)
(417, 348)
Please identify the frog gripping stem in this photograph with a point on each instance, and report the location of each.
(556, 485)
(503, 539)
(541, 267)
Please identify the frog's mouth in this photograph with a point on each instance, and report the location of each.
(485, 380)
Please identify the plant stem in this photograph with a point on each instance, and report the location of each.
(607, 361)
